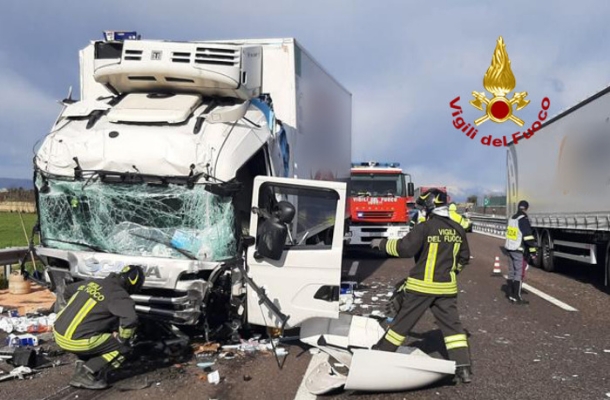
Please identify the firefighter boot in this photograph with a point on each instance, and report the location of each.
(517, 293)
(83, 378)
(463, 374)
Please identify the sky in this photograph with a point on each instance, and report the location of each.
(403, 62)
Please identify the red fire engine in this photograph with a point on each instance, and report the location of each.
(378, 202)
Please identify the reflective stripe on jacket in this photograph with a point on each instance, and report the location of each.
(440, 248)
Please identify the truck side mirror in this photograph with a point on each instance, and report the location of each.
(410, 189)
(271, 239)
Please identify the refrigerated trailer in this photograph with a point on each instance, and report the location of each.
(563, 171)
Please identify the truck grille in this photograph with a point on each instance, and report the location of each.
(376, 214)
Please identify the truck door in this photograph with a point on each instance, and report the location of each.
(302, 277)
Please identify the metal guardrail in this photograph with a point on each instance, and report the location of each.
(10, 256)
(489, 224)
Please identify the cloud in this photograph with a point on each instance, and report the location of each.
(402, 62)
(26, 115)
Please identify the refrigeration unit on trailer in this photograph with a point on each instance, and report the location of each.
(178, 156)
(563, 171)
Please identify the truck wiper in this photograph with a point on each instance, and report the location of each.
(91, 246)
(185, 253)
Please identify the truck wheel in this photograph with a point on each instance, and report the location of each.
(548, 262)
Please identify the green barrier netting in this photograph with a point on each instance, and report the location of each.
(137, 219)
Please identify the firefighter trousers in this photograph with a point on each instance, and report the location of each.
(107, 352)
(446, 314)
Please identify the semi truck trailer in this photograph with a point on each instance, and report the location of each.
(563, 171)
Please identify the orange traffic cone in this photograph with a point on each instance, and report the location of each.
(497, 269)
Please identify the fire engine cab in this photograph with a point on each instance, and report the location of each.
(378, 200)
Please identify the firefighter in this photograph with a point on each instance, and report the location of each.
(520, 245)
(98, 324)
(440, 248)
(454, 215)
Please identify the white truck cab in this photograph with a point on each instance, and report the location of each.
(163, 159)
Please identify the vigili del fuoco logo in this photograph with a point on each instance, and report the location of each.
(499, 81)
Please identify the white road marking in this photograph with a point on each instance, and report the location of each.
(353, 269)
(302, 392)
(547, 297)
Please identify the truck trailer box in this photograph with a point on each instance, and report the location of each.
(563, 171)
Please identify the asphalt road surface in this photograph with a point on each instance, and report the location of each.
(539, 351)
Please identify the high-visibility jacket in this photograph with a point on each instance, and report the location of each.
(440, 249)
(454, 215)
(519, 234)
(95, 310)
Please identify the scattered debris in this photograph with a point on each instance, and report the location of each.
(247, 378)
(207, 364)
(503, 341)
(18, 372)
(359, 294)
(31, 323)
(374, 298)
(536, 360)
(590, 352)
(214, 377)
(209, 347)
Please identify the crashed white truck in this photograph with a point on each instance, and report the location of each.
(167, 155)
(179, 156)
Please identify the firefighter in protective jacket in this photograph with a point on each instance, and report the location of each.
(98, 324)
(440, 249)
(520, 245)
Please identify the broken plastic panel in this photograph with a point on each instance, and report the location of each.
(349, 340)
(137, 219)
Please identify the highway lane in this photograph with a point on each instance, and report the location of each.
(539, 351)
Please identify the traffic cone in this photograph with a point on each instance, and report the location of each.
(497, 270)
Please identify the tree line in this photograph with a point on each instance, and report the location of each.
(17, 194)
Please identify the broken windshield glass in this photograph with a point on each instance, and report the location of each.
(137, 219)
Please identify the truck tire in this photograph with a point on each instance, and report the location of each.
(548, 261)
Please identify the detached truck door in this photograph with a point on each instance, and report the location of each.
(302, 279)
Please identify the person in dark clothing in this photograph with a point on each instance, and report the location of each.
(98, 324)
(440, 249)
(520, 245)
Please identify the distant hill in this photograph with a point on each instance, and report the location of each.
(11, 183)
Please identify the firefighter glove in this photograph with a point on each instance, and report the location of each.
(376, 244)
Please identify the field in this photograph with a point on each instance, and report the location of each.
(11, 235)
(11, 232)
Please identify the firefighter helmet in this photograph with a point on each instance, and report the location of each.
(432, 198)
(132, 278)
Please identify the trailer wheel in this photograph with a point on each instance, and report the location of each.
(548, 262)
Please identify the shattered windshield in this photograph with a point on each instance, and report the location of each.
(137, 219)
(377, 185)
